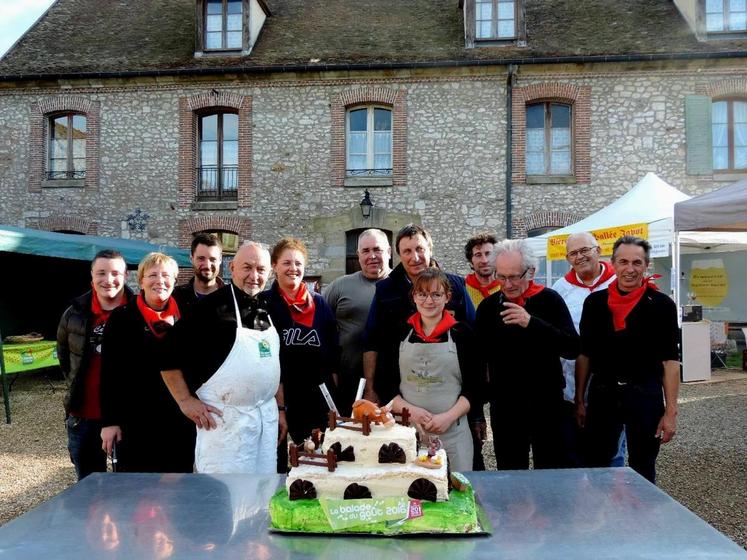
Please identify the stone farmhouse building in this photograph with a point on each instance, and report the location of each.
(157, 119)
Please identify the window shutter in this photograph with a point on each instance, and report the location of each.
(698, 135)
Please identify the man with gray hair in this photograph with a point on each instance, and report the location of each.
(588, 274)
(350, 298)
(222, 367)
(523, 331)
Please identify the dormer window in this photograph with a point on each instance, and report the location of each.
(223, 24)
(228, 27)
(725, 16)
(495, 19)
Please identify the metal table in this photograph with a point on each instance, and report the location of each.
(579, 513)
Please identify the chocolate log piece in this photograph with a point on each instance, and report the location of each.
(301, 490)
(356, 492)
(458, 481)
(347, 454)
(391, 453)
(423, 489)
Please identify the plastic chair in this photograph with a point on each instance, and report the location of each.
(719, 341)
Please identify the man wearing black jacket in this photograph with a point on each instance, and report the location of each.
(523, 331)
(79, 336)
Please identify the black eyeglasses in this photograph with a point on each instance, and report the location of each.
(514, 278)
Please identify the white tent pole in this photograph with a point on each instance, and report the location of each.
(676, 272)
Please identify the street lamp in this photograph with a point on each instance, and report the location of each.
(366, 205)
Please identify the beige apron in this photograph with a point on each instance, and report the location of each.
(243, 388)
(430, 378)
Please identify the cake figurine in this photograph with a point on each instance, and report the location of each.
(376, 414)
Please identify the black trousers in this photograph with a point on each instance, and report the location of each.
(638, 407)
(535, 424)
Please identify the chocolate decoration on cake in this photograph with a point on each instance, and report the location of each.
(391, 453)
(301, 490)
(423, 489)
(356, 492)
(347, 455)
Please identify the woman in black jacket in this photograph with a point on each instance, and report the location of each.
(139, 414)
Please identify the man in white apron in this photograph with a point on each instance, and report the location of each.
(222, 367)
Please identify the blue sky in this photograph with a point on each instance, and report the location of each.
(16, 16)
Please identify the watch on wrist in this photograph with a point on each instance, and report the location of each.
(282, 408)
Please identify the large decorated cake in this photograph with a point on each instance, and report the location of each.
(367, 474)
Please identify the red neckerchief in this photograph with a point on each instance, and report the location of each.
(446, 322)
(158, 321)
(621, 305)
(532, 290)
(301, 307)
(607, 273)
(100, 315)
(473, 282)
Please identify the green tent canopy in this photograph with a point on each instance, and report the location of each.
(80, 247)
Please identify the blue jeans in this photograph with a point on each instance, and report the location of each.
(84, 445)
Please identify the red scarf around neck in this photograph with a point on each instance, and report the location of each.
(473, 282)
(621, 305)
(607, 273)
(446, 322)
(301, 307)
(158, 321)
(532, 290)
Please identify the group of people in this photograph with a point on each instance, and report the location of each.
(216, 377)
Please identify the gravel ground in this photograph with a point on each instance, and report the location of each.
(704, 467)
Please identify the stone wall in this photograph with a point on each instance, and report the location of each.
(455, 159)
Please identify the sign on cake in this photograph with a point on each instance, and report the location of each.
(343, 514)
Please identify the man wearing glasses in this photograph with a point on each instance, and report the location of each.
(523, 331)
(588, 274)
(350, 298)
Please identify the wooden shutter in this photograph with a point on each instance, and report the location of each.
(698, 135)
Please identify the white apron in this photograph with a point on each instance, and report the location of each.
(430, 377)
(243, 388)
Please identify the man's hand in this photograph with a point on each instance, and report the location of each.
(515, 315)
(667, 428)
(282, 427)
(110, 435)
(199, 412)
(439, 423)
(580, 414)
(480, 429)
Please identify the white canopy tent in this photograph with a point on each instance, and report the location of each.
(650, 201)
(717, 219)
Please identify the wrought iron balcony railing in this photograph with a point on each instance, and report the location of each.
(217, 183)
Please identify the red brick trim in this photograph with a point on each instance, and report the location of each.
(68, 223)
(234, 224)
(523, 224)
(397, 100)
(189, 107)
(725, 88)
(580, 98)
(40, 111)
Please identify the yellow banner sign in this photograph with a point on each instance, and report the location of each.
(605, 237)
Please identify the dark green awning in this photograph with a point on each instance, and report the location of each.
(80, 247)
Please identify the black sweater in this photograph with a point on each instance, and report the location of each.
(524, 363)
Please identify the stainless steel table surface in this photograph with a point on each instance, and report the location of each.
(570, 514)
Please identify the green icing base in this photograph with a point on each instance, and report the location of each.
(457, 516)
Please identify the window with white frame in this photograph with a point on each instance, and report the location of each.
(495, 19)
(729, 129)
(549, 139)
(223, 24)
(369, 142)
(726, 16)
(67, 147)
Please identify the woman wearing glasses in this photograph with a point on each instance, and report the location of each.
(138, 413)
(438, 375)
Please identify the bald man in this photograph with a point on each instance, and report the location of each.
(588, 274)
(222, 367)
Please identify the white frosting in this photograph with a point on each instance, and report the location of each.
(366, 448)
(391, 479)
